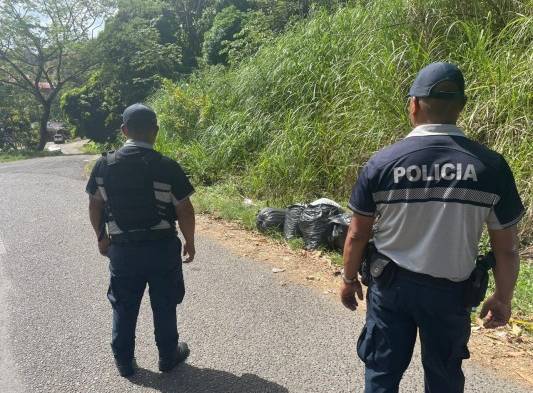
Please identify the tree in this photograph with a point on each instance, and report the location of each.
(137, 50)
(93, 109)
(15, 120)
(194, 18)
(44, 45)
(134, 55)
(189, 14)
(255, 32)
(225, 25)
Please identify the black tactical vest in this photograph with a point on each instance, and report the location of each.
(129, 185)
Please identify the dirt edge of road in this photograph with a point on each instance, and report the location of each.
(507, 353)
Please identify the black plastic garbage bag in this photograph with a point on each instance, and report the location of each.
(340, 222)
(270, 219)
(290, 228)
(316, 226)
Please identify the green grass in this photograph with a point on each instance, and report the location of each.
(25, 154)
(92, 148)
(523, 296)
(99, 148)
(336, 258)
(295, 243)
(300, 118)
(522, 301)
(226, 202)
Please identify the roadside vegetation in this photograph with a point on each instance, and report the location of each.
(522, 302)
(98, 148)
(25, 154)
(298, 119)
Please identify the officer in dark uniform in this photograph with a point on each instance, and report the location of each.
(429, 197)
(136, 196)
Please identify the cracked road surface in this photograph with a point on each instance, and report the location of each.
(248, 332)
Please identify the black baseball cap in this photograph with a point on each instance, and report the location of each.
(139, 115)
(435, 73)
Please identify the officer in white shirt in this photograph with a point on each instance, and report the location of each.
(429, 196)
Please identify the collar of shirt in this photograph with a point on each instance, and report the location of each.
(436, 129)
(132, 142)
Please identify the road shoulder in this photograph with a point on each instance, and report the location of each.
(9, 380)
(501, 351)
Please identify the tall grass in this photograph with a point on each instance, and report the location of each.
(300, 118)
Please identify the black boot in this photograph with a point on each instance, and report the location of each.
(168, 362)
(126, 368)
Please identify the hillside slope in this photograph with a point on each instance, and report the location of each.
(300, 118)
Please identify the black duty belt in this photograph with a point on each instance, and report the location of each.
(142, 236)
(426, 279)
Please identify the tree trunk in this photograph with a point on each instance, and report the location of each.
(43, 125)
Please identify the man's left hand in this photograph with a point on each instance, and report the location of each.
(348, 292)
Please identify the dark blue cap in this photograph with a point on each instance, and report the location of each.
(435, 73)
(139, 114)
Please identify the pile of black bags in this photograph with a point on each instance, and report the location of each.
(270, 219)
(291, 229)
(315, 225)
(322, 223)
(340, 223)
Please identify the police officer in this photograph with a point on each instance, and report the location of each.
(135, 197)
(428, 198)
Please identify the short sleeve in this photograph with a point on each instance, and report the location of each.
(361, 200)
(509, 209)
(92, 184)
(181, 187)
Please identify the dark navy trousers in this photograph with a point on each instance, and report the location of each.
(154, 263)
(395, 314)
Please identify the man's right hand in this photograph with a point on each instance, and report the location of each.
(348, 292)
(103, 245)
(495, 312)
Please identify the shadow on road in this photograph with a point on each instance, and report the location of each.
(189, 379)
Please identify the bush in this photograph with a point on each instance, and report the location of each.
(256, 31)
(300, 118)
(15, 130)
(226, 23)
(92, 109)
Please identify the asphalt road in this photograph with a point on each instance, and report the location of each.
(72, 147)
(247, 331)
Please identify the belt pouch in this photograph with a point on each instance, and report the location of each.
(383, 270)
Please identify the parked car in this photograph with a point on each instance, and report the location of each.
(58, 138)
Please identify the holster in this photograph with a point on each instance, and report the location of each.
(476, 285)
(364, 268)
(377, 268)
(383, 270)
